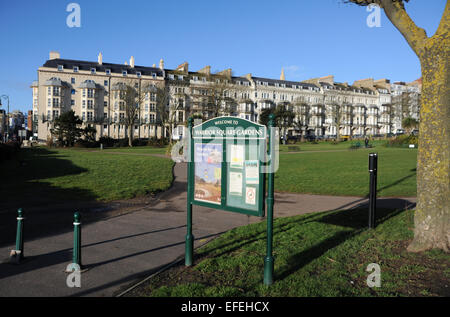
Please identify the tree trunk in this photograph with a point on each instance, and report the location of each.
(432, 222)
(130, 135)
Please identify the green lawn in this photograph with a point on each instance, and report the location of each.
(320, 254)
(345, 172)
(138, 149)
(59, 174)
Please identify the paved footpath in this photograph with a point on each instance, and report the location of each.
(124, 249)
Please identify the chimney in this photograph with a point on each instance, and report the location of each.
(154, 65)
(100, 58)
(54, 55)
(132, 61)
(161, 64)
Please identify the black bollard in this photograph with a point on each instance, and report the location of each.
(373, 166)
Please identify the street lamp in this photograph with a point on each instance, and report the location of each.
(7, 116)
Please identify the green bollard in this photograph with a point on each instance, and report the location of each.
(76, 258)
(17, 255)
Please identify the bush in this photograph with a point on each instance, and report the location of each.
(9, 150)
(106, 141)
(403, 141)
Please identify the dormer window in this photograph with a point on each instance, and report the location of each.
(108, 71)
(60, 68)
(75, 69)
(139, 74)
(124, 73)
(195, 78)
(93, 70)
(154, 75)
(171, 76)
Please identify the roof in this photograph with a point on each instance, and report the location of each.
(115, 68)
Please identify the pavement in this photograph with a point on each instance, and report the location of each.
(121, 250)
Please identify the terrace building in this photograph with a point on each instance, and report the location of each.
(167, 97)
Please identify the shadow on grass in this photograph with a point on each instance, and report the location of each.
(353, 221)
(23, 188)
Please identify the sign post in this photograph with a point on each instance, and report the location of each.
(268, 260)
(227, 164)
(189, 236)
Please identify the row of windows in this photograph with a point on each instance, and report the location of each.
(93, 70)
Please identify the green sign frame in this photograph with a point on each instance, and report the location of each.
(226, 157)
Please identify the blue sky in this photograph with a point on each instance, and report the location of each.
(309, 38)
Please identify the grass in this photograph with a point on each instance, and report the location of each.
(346, 173)
(320, 254)
(60, 174)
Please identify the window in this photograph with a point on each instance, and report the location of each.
(72, 102)
(108, 71)
(152, 107)
(83, 116)
(124, 73)
(90, 93)
(138, 74)
(72, 91)
(60, 68)
(105, 83)
(49, 91)
(152, 118)
(49, 113)
(105, 115)
(90, 104)
(93, 70)
(75, 69)
(72, 80)
(90, 116)
(49, 102)
(136, 85)
(154, 75)
(55, 91)
(105, 103)
(84, 92)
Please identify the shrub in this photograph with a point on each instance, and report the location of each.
(106, 141)
(9, 150)
(403, 141)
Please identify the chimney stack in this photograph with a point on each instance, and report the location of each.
(132, 61)
(54, 55)
(161, 64)
(100, 58)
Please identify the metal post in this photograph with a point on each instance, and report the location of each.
(76, 258)
(18, 254)
(189, 247)
(268, 260)
(373, 166)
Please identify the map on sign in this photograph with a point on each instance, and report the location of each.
(227, 161)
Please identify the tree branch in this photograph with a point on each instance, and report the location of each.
(445, 21)
(414, 35)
